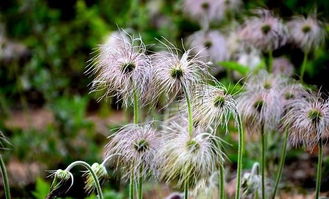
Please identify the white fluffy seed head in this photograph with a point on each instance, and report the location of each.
(210, 45)
(135, 146)
(306, 119)
(187, 159)
(282, 66)
(203, 11)
(306, 32)
(172, 73)
(259, 105)
(230, 5)
(213, 106)
(120, 67)
(265, 32)
(292, 91)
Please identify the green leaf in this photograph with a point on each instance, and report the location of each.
(243, 70)
(41, 189)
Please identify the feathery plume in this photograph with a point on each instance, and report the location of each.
(185, 159)
(306, 119)
(203, 11)
(282, 66)
(306, 32)
(259, 105)
(136, 146)
(213, 106)
(265, 32)
(211, 45)
(121, 67)
(172, 73)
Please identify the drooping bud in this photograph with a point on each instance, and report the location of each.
(101, 174)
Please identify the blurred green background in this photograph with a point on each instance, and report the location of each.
(45, 109)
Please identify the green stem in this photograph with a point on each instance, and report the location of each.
(270, 61)
(140, 186)
(240, 158)
(131, 186)
(136, 118)
(282, 160)
(302, 70)
(5, 178)
(263, 161)
(87, 166)
(319, 171)
(221, 182)
(186, 189)
(189, 111)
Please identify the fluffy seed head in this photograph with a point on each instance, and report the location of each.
(306, 119)
(230, 5)
(265, 32)
(282, 66)
(211, 45)
(306, 32)
(203, 11)
(101, 173)
(213, 106)
(136, 146)
(292, 91)
(183, 158)
(259, 105)
(172, 73)
(121, 66)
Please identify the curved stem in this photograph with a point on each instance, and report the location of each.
(319, 171)
(189, 111)
(186, 190)
(302, 70)
(87, 166)
(263, 161)
(240, 158)
(5, 178)
(282, 160)
(221, 182)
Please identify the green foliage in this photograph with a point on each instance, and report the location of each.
(41, 189)
(231, 65)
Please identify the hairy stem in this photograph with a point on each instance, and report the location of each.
(240, 158)
(302, 70)
(140, 186)
(131, 186)
(281, 165)
(221, 182)
(5, 178)
(136, 117)
(87, 166)
(263, 161)
(319, 171)
(186, 189)
(189, 111)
